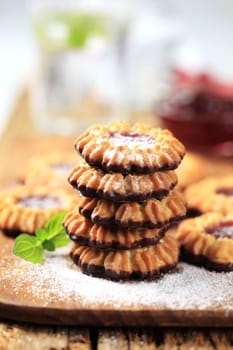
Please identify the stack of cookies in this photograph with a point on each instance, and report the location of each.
(129, 202)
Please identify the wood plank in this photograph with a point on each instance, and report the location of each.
(113, 339)
(142, 339)
(222, 339)
(165, 339)
(27, 337)
(79, 339)
(33, 337)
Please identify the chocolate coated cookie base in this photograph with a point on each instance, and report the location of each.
(129, 224)
(133, 169)
(116, 197)
(100, 271)
(12, 233)
(115, 245)
(203, 261)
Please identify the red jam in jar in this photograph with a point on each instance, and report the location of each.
(201, 117)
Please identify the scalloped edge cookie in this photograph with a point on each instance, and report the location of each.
(45, 170)
(137, 149)
(146, 263)
(202, 248)
(202, 196)
(93, 182)
(84, 232)
(191, 170)
(16, 218)
(148, 214)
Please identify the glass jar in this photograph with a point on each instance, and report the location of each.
(78, 80)
(199, 111)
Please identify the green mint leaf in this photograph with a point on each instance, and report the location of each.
(48, 245)
(61, 239)
(41, 234)
(55, 230)
(52, 236)
(28, 248)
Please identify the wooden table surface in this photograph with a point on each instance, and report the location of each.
(24, 336)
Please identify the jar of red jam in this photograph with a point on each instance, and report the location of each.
(199, 112)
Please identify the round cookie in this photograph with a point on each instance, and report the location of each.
(84, 232)
(136, 264)
(93, 182)
(139, 149)
(152, 213)
(51, 169)
(212, 194)
(25, 208)
(208, 241)
(192, 169)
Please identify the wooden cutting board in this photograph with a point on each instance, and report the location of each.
(57, 293)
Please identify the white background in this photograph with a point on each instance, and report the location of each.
(205, 42)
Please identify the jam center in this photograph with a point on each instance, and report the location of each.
(43, 202)
(221, 230)
(131, 139)
(227, 191)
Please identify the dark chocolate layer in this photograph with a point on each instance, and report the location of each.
(193, 212)
(116, 197)
(203, 261)
(129, 224)
(115, 245)
(13, 233)
(100, 271)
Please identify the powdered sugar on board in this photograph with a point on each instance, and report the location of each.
(59, 282)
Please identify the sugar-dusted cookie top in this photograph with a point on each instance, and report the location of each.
(139, 149)
(212, 194)
(51, 169)
(208, 240)
(26, 208)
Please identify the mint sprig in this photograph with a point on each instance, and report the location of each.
(52, 236)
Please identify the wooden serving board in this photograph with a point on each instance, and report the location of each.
(57, 293)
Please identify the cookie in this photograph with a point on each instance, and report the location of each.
(136, 264)
(192, 169)
(84, 232)
(51, 169)
(208, 241)
(152, 213)
(93, 182)
(212, 194)
(25, 208)
(139, 149)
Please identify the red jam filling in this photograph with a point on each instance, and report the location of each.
(43, 202)
(221, 230)
(132, 139)
(225, 190)
(202, 121)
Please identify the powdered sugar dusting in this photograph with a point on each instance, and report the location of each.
(58, 280)
(132, 140)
